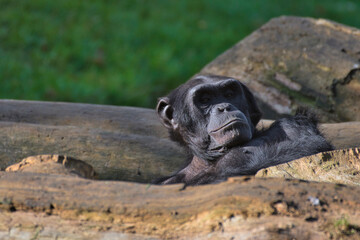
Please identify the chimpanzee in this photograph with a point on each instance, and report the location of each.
(214, 118)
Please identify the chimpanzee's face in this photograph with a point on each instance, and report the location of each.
(210, 113)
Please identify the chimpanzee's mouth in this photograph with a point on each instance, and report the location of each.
(230, 123)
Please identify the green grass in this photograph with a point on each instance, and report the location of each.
(344, 227)
(129, 52)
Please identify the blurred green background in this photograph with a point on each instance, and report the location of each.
(128, 52)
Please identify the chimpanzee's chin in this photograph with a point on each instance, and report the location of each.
(230, 137)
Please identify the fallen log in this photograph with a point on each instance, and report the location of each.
(296, 61)
(244, 206)
(121, 143)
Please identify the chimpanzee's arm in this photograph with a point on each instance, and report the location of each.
(286, 140)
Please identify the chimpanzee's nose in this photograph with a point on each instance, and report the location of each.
(223, 107)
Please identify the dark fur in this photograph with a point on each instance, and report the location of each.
(285, 140)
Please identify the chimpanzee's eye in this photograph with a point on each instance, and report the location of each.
(229, 94)
(204, 99)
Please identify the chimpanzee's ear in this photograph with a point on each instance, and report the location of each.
(254, 111)
(165, 112)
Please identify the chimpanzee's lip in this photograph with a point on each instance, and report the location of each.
(229, 123)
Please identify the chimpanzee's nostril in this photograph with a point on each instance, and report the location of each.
(224, 108)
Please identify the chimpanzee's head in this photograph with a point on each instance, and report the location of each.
(209, 114)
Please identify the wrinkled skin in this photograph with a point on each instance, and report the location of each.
(214, 117)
